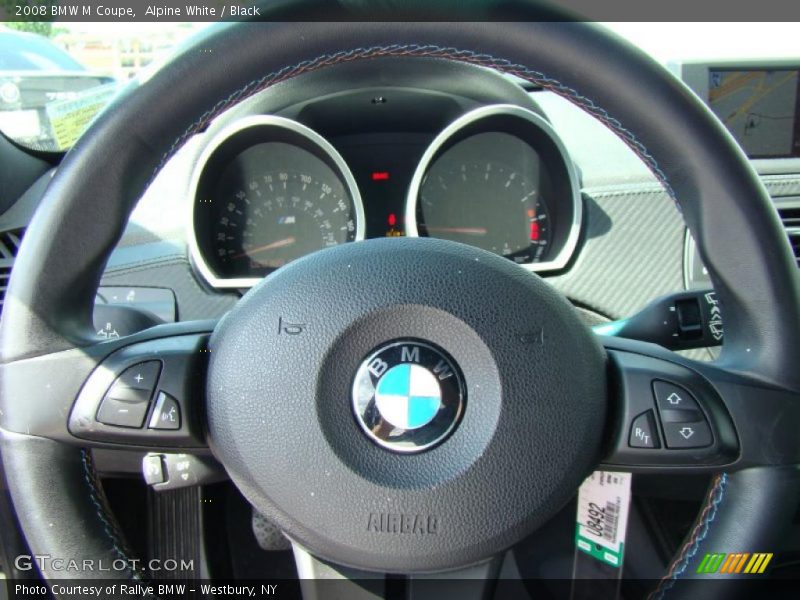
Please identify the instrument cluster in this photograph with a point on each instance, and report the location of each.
(268, 190)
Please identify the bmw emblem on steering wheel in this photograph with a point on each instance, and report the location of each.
(408, 396)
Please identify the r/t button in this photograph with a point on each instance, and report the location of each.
(643, 432)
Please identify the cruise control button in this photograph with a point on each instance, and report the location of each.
(672, 397)
(121, 413)
(643, 432)
(167, 413)
(687, 435)
(142, 376)
(127, 400)
(136, 383)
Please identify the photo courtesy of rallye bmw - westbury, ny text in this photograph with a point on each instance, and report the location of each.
(142, 590)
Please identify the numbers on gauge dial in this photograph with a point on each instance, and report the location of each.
(489, 205)
(279, 216)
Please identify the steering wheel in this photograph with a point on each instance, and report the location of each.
(541, 401)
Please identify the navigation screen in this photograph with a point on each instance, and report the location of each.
(761, 108)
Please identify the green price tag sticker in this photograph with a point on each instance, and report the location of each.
(603, 502)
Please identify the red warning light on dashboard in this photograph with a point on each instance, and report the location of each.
(380, 176)
(534, 231)
(393, 231)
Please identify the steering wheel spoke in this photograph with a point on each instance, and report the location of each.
(140, 392)
(674, 414)
(322, 579)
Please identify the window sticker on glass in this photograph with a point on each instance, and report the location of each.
(70, 118)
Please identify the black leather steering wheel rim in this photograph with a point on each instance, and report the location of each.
(48, 306)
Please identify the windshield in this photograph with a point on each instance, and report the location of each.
(55, 77)
(31, 52)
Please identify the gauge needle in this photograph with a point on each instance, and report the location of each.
(274, 245)
(466, 230)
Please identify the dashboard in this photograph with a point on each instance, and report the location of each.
(268, 190)
(394, 147)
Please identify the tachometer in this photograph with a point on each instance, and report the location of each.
(498, 178)
(498, 207)
(269, 192)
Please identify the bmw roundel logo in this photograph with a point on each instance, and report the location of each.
(408, 396)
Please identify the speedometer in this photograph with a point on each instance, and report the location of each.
(271, 216)
(270, 192)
